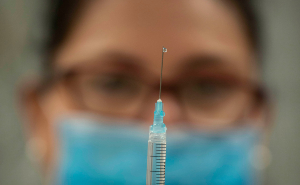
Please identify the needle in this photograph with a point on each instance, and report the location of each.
(164, 50)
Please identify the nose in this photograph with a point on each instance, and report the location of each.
(173, 110)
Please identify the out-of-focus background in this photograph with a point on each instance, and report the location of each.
(21, 34)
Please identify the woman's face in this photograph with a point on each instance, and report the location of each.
(121, 42)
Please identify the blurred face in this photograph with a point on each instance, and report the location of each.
(115, 48)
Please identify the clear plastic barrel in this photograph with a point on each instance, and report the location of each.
(156, 161)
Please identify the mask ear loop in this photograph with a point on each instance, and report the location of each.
(50, 173)
(35, 150)
(266, 152)
(261, 155)
(36, 147)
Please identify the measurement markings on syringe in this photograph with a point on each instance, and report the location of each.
(159, 159)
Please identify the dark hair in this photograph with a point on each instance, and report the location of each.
(63, 13)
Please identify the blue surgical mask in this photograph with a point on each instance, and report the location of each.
(106, 152)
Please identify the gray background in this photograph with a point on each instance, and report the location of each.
(20, 31)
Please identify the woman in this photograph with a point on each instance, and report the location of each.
(89, 116)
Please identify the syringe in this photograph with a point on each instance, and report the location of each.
(156, 157)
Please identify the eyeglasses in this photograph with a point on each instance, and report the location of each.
(209, 98)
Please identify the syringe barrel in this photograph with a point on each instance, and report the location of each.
(156, 157)
(156, 161)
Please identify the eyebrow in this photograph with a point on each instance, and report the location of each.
(110, 58)
(195, 64)
(123, 55)
(125, 61)
(197, 61)
(120, 58)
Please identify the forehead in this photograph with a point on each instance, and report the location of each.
(141, 28)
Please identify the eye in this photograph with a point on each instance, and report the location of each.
(114, 84)
(208, 91)
(206, 88)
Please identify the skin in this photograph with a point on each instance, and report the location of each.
(139, 29)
